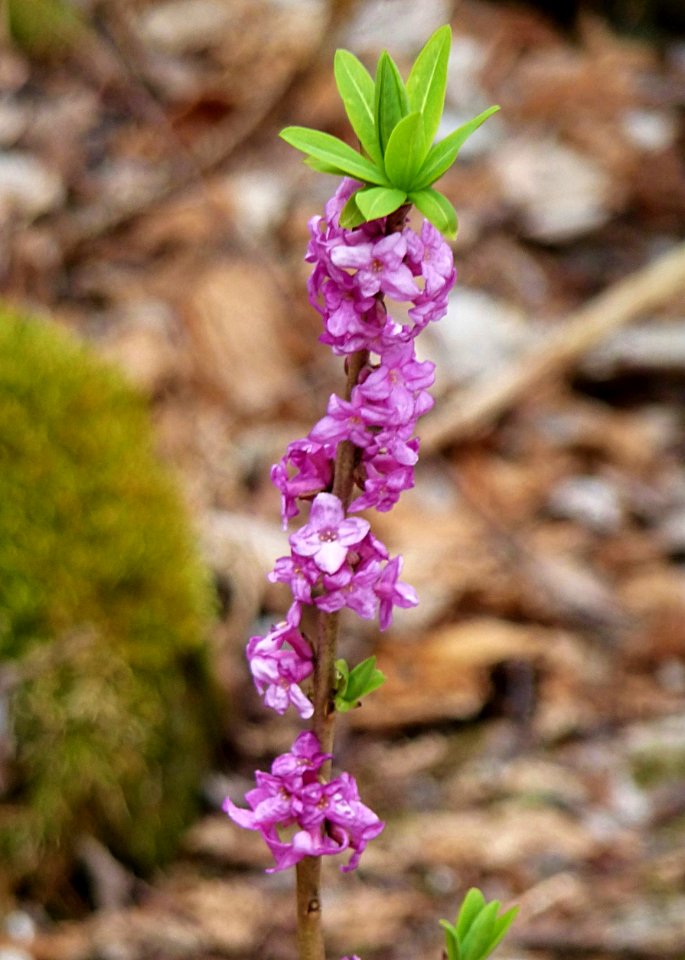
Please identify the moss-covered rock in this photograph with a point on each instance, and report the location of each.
(44, 28)
(104, 611)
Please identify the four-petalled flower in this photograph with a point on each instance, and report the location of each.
(329, 535)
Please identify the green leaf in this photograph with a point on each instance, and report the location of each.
(375, 202)
(343, 672)
(391, 102)
(436, 208)
(441, 156)
(451, 941)
(322, 167)
(474, 946)
(428, 80)
(331, 150)
(501, 926)
(363, 679)
(351, 217)
(473, 903)
(406, 151)
(357, 91)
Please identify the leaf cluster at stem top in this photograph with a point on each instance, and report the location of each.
(396, 124)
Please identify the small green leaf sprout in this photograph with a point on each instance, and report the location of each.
(477, 930)
(396, 126)
(356, 683)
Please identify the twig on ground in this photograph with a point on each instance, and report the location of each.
(468, 413)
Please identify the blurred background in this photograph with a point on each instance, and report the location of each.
(157, 353)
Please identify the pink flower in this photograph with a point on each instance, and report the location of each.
(393, 592)
(329, 535)
(344, 421)
(330, 817)
(277, 671)
(314, 466)
(351, 588)
(299, 573)
(380, 267)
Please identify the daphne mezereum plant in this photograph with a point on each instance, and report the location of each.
(359, 456)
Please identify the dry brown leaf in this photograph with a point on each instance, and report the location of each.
(446, 674)
(235, 315)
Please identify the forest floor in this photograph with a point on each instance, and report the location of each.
(531, 736)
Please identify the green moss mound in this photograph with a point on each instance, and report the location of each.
(104, 609)
(44, 28)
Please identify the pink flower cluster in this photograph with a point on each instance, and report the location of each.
(335, 561)
(354, 270)
(325, 818)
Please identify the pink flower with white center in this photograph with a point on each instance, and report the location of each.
(329, 535)
(344, 421)
(299, 573)
(380, 267)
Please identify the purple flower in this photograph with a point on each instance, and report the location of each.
(300, 573)
(303, 761)
(393, 592)
(437, 262)
(344, 421)
(351, 588)
(356, 822)
(380, 267)
(330, 817)
(385, 481)
(314, 466)
(277, 671)
(328, 535)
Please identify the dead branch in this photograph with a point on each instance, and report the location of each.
(471, 412)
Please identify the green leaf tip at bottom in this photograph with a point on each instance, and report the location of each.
(478, 930)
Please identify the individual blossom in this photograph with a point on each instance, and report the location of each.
(301, 764)
(355, 822)
(299, 573)
(351, 588)
(396, 388)
(386, 478)
(329, 535)
(314, 468)
(277, 674)
(380, 267)
(344, 420)
(393, 592)
(435, 259)
(276, 670)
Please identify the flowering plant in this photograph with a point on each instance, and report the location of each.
(360, 455)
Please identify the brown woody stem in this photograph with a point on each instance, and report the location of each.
(309, 931)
